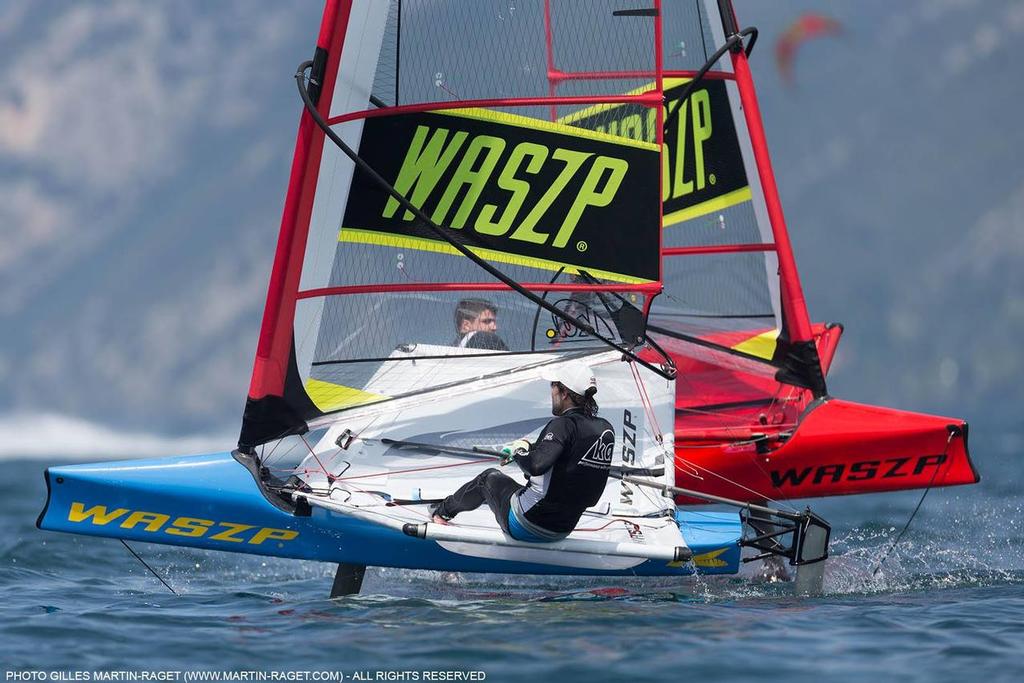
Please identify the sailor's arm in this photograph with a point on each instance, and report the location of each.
(543, 455)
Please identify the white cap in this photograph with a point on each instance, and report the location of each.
(574, 375)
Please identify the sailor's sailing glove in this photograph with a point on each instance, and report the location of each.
(510, 450)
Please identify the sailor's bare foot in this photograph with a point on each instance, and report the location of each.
(438, 519)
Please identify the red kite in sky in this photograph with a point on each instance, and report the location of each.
(806, 27)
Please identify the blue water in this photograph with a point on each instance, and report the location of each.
(949, 604)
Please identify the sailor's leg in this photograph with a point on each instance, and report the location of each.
(348, 580)
(491, 487)
(498, 491)
(470, 496)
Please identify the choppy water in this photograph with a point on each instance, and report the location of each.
(948, 604)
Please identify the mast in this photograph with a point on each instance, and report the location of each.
(797, 321)
(274, 349)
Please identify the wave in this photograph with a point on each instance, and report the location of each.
(62, 437)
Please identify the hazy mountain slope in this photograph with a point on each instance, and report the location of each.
(143, 162)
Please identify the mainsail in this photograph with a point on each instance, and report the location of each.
(534, 137)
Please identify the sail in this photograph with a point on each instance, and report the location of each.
(731, 313)
(550, 227)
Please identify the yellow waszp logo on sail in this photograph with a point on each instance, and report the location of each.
(182, 527)
(512, 189)
(433, 150)
(702, 166)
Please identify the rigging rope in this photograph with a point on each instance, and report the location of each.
(953, 431)
(407, 470)
(783, 504)
(731, 41)
(330, 477)
(658, 436)
(144, 564)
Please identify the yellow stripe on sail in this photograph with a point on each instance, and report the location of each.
(548, 126)
(329, 397)
(710, 206)
(762, 345)
(668, 84)
(382, 239)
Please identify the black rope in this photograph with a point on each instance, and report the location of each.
(151, 570)
(731, 41)
(953, 431)
(667, 371)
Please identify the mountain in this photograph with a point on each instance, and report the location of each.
(145, 149)
(144, 153)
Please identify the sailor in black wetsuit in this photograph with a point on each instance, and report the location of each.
(567, 468)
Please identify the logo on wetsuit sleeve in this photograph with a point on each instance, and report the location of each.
(601, 451)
